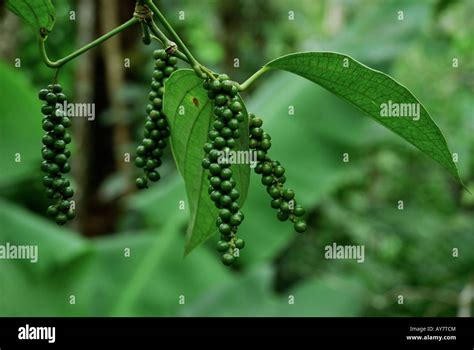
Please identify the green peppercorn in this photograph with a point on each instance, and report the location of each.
(154, 176)
(222, 246)
(42, 94)
(225, 229)
(300, 226)
(226, 174)
(282, 216)
(52, 210)
(288, 194)
(228, 259)
(239, 243)
(299, 210)
(141, 183)
(61, 219)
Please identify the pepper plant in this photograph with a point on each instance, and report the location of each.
(200, 114)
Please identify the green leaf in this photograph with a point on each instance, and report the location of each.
(20, 154)
(190, 114)
(39, 14)
(369, 90)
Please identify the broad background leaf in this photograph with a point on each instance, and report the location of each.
(368, 89)
(37, 13)
(184, 92)
(20, 127)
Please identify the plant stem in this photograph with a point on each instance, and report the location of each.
(252, 79)
(195, 64)
(62, 61)
(165, 41)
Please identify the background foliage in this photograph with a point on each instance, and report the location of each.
(408, 252)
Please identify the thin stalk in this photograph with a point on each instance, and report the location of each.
(195, 64)
(252, 79)
(165, 41)
(91, 45)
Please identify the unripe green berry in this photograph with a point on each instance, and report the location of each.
(52, 211)
(230, 142)
(68, 192)
(267, 180)
(141, 183)
(148, 143)
(288, 194)
(227, 86)
(299, 210)
(71, 214)
(274, 192)
(239, 243)
(228, 259)
(226, 186)
(225, 229)
(213, 134)
(47, 153)
(168, 71)
(226, 174)
(226, 133)
(234, 207)
(215, 196)
(140, 162)
(236, 107)
(61, 219)
(235, 220)
(219, 142)
(300, 226)
(220, 100)
(222, 246)
(51, 99)
(215, 86)
(172, 60)
(206, 163)
(46, 110)
(42, 94)
(276, 203)
(57, 88)
(225, 201)
(215, 181)
(225, 214)
(267, 169)
(282, 216)
(65, 168)
(234, 194)
(215, 169)
(233, 124)
(227, 114)
(154, 176)
(160, 54)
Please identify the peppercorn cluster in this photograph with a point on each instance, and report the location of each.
(55, 154)
(224, 131)
(273, 177)
(157, 130)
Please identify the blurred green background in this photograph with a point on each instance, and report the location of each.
(83, 269)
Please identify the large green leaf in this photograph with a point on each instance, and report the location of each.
(20, 127)
(39, 14)
(368, 90)
(190, 114)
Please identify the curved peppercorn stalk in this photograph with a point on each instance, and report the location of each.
(273, 177)
(55, 154)
(156, 131)
(221, 140)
